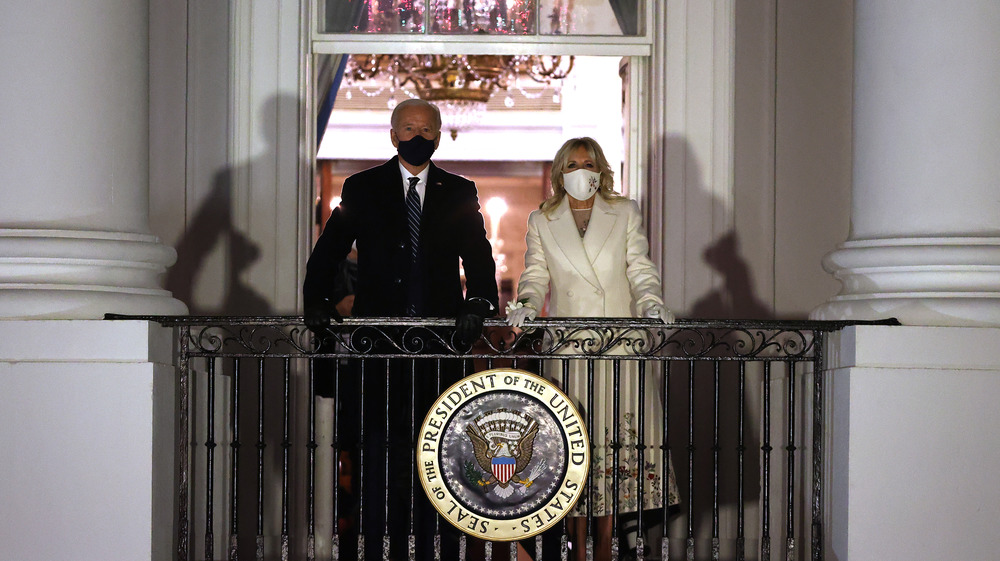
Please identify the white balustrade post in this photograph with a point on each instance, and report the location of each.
(925, 233)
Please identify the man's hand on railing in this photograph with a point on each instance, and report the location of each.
(469, 322)
(318, 313)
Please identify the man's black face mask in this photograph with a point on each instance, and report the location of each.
(416, 151)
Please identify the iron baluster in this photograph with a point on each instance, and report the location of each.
(234, 447)
(765, 460)
(691, 450)
(819, 397)
(210, 462)
(616, 474)
(740, 458)
(335, 446)
(286, 444)
(183, 449)
(311, 446)
(411, 538)
(790, 449)
(261, 444)
(665, 457)
(641, 461)
(715, 460)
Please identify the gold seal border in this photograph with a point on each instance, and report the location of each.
(542, 518)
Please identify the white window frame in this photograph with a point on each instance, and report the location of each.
(638, 48)
(468, 44)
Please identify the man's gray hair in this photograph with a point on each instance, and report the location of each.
(394, 119)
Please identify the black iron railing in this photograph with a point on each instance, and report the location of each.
(739, 417)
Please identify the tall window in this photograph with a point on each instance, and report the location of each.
(492, 17)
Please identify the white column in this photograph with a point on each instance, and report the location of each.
(74, 234)
(925, 233)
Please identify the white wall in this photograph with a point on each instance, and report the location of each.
(792, 147)
(225, 159)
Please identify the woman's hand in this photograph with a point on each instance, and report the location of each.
(519, 312)
(657, 311)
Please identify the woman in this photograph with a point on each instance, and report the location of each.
(587, 250)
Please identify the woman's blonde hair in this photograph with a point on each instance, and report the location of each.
(607, 183)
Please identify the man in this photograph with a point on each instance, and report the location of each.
(373, 213)
(412, 223)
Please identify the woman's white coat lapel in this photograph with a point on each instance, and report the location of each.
(602, 223)
(582, 253)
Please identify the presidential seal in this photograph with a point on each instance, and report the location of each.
(503, 454)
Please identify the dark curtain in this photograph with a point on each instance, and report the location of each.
(627, 14)
(330, 72)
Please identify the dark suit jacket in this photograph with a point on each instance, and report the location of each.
(372, 212)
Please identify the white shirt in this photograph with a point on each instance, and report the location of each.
(421, 185)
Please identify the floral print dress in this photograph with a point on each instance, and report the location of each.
(656, 473)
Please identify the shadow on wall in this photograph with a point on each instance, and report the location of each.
(736, 298)
(212, 230)
(733, 299)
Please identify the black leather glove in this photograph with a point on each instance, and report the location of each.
(318, 313)
(468, 327)
(469, 323)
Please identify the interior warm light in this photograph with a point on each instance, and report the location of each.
(495, 208)
(334, 202)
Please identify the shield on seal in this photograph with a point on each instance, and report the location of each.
(503, 468)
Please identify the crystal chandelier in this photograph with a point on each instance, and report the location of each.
(460, 85)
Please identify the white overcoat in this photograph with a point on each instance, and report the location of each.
(606, 273)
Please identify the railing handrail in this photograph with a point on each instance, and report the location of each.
(284, 320)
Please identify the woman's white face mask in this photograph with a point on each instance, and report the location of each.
(581, 184)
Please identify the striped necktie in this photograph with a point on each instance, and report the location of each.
(413, 216)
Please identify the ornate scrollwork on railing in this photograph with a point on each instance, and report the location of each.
(739, 343)
(391, 339)
(247, 339)
(663, 341)
(544, 338)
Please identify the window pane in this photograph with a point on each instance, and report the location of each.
(489, 17)
(374, 16)
(494, 17)
(590, 17)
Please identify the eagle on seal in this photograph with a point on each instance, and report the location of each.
(503, 449)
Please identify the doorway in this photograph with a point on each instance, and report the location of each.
(507, 153)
